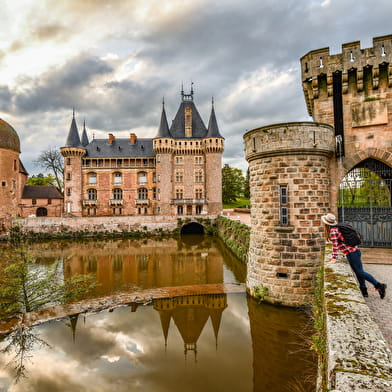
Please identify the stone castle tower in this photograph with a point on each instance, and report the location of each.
(189, 162)
(73, 152)
(13, 175)
(294, 167)
(352, 91)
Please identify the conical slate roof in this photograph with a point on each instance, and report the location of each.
(163, 130)
(73, 139)
(84, 136)
(177, 129)
(213, 130)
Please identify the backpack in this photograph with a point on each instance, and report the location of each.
(350, 235)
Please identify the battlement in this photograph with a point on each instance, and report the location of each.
(366, 70)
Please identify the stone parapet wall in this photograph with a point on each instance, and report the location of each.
(100, 224)
(284, 255)
(357, 355)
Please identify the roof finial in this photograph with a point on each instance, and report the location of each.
(212, 101)
(182, 89)
(163, 102)
(191, 88)
(84, 123)
(73, 112)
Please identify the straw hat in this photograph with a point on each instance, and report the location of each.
(329, 219)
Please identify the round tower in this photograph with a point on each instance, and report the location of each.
(73, 152)
(9, 174)
(213, 147)
(289, 186)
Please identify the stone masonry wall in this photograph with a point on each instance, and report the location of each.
(283, 257)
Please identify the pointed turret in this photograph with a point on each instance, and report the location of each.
(163, 130)
(73, 139)
(85, 140)
(213, 130)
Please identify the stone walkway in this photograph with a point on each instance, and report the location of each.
(378, 262)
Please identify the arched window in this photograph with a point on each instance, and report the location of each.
(92, 178)
(117, 178)
(91, 194)
(142, 194)
(117, 194)
(142, 178)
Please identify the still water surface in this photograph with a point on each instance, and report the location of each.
(224, 342)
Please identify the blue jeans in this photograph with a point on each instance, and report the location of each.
(354, 258)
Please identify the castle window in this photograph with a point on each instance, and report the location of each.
(284, 218)
(154, 177)
(68, 161)
(179, 176)
(198, 160)
(49, 201)
(91, 194)
(179, 160)
(198, 210)
(180, 210)
(117, 194)
(15, 166)
(117, 178)
(34, 201)
(68, 176)
(119, 162)
(158, 158)
(68, 191)
(92, 178)
(154, 193)
(145, 162)
(199, 177)
(3, 183)
(142, 178)
(179, 193)
(142, 194)
(198, 194)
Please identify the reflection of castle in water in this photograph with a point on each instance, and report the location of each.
(190, 314)
(129, 264)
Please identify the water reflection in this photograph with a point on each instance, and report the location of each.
(141, 264)
(141, 349)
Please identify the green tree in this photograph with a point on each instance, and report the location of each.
(232, 183)
(247, 184)
(40, 179)
(51, 159)
(25, 287)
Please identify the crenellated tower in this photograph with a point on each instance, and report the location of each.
(163, 149)
(189, 162)
(352, 91)
(73, 152)
(214, 146)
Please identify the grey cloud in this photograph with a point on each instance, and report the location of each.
(61, 88)
(50, 31)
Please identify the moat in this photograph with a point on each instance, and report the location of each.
(217, 342)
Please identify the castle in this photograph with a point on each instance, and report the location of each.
(178, 172)
(17, 198)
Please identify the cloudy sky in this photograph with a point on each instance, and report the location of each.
(114, 60)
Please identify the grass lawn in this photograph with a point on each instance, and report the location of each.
(241, 202)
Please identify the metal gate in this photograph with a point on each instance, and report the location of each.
(365, 202)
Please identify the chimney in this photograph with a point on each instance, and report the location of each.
(111, 138)
(188, 121)
(133, 138)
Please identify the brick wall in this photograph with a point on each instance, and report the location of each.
(283, 256)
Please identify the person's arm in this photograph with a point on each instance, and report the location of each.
(334, 234)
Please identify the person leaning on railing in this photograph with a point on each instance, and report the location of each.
(353, 255)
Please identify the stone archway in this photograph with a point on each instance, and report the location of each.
(192, 228)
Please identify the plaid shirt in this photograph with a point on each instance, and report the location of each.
(338, 243)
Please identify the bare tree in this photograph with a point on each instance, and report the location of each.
(51, 159)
